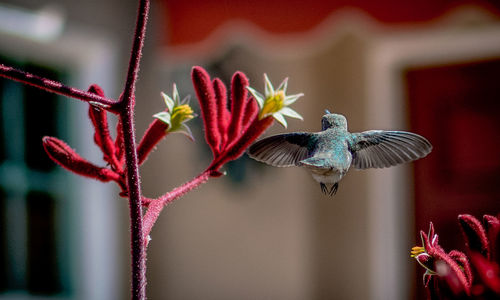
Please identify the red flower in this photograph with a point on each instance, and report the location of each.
(455, 275)
(112, 150)
(228, 133)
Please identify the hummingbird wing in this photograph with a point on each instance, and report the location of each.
(381, 149)
(284, 150)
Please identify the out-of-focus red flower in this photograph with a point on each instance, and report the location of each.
(455, 275)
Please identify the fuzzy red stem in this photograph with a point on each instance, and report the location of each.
(57, 87)
(134, 189)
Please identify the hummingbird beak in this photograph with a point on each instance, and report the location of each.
(327, 111)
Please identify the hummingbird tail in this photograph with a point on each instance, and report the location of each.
(333, 189)
(324, 189)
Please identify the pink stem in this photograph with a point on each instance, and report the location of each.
(134, 189)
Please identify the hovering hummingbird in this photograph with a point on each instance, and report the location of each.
(329, 154)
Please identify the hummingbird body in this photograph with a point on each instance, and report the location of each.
(329, 154)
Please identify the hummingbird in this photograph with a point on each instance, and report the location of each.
(329, 154)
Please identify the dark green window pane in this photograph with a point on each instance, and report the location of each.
(2, 134)
(40, 119)
(42, 263)
(3, 243)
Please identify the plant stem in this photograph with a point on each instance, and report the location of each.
(134, 192)
(127, 102)
(56, 87)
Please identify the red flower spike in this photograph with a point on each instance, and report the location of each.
(453, 280)
(63, 155)
(119, 149)
(492, 226)
(461, 259)
(206, 97)
(255, 129)
(447, 266)
(102, 138)
(237, 147)
(491, 223)
(475, 235)
(488, 272)
(155, 132)
(223, 114)
(251, 111)
(243, 127)
(238, 99)
(459, 278)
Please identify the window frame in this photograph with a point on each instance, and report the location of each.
(90, 208)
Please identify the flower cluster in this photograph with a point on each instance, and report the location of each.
(113, 149)
(230, 132)
(455, 275)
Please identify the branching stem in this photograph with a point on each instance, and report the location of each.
(133, 179)
(57, 87)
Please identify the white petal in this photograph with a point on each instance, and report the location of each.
(279, 117)
(163, 116)
(283, 85)
(258, 96)
(186, 131)
(186, 100)
(269, 86)
(175, 94)
(292, 98)
(168, 101)
(290, 113)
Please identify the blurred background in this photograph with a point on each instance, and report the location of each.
(260, 232)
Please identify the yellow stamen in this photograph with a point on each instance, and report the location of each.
(273, 104)
(415, 251)
(180, 114)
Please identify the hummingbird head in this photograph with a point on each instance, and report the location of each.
(332, 121)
